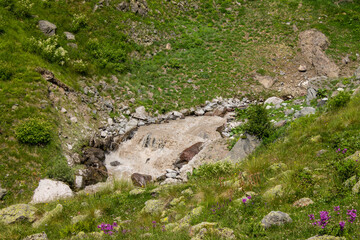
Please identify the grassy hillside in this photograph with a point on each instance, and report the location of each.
(216, 47)
(219, 189)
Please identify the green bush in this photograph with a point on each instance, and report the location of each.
(258, 122)
(211, 170)
(345, 169)
(33, 131)
(61, 171)
(339, 100)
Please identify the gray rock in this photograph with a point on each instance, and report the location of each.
(313, 44)
(243, 148)
(199, 112)
(357, 74)
(153, 207)
(275, 218)
(303, 202)
(115, 163)
(140, 180)
(302, 68)
(69, 36)
(139, 6)
(266, 81)
(304, 112)
(50, 190)
(280, 123)
(79, 182)
(171, 175)
(273, 100)
(47, 28)
(38, 236)
(289, 111)
(311, 94)
(140, 113)
(123, 6)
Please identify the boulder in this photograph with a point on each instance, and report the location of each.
(95, 172)
(140, 180)
(275, 218)
(304, 112)
(47, 28)
(48, 216)
(136, 191)
(50, 190)
(243, 148)
(313, 44)
(280, 123)
(303, 202)
(140, 113)
(153, 207)
(188, 154)
(18, 212)
(38, 236)
(266, 81)
(273, 100)
(311, 94)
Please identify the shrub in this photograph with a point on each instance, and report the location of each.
(49, 49)
(61, 171)
(80, 66)
(211, 170)
(347, 168)
(339, 100)
(79, 21)
(34, 131)
(259, 123)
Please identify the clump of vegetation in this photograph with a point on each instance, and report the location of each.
(258, 122)
(61, 171)
(6, 71)
(339, 100)
(34, 131)
(213, 170)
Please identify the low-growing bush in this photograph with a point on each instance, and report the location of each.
(259, 123)
(61, 171)
(49, 49)
(339, 100)
(6, 71)
(33, 131)
(211, 170)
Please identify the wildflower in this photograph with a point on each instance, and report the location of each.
(244, 200)
(352, 215)
(249, 197)
(344, 151)
(342, 225)
(337, 208)
(312, 217)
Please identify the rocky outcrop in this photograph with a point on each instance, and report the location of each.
(48, 28)
(313, 45)
(140, 180)
(275, 218)
(50, 190)
(244, 146)
(18, 212)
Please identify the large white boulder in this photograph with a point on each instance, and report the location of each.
(50, 190)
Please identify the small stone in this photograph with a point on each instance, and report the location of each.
(47, 27)
(69, 36)
(168, 46)
(199, 112)
(103, 134)
(110, 121)
(302, 68)
(171, 175)
(275, 218)
(79, 182)
(303, 202)
(115, 163)
(73, 119)
(63, 110)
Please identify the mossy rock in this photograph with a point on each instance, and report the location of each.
(18, 212)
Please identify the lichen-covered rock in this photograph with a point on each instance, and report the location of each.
(18, 212)
(349, 183)
(48, 216)
(275, 218)
(326, 237)
(278, 167)
(2, 192)
(195, 229)
(184, 223)
(136, 191)
(187, 192)
(274, 192)
(176, 201)
(38, 236)
(50, 190)
(303, 202)
(356, 188)
(153, 207)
